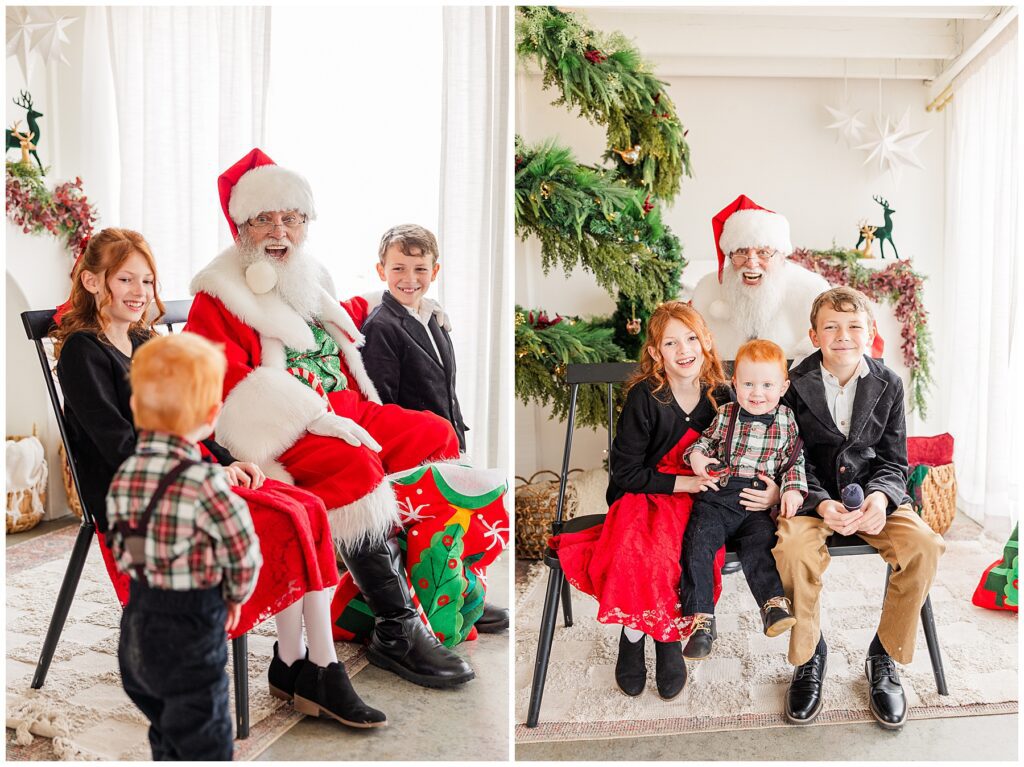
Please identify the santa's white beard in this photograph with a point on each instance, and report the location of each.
(298, 278)
(753, 309)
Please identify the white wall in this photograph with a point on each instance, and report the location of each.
(766, 138)
(37, 266)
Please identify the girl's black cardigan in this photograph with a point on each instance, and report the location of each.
(93, 377)
(650, 425)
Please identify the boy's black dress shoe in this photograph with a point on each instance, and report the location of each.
(669, 669)
(282, 676)
(494, 620)
(885, 695)
(702, 637)
(630, 668)
(776, 617)
(804, 699)
(328, 691)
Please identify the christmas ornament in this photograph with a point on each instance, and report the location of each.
(594, 56)
(867, 235)
(21, 27)
(881, 233)
(50, 38)
(26, 142)
(633, 326)
(629, 156)
(892, 145)
(846, 123)
(14, 142)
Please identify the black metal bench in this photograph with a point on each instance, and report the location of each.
(37, 327)
(608, 375)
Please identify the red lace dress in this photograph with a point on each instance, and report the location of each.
(630, 563)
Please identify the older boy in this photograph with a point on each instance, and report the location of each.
(851, 415)
(408, 354)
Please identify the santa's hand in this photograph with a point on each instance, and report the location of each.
(331, 425)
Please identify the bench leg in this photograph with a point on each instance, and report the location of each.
(64, 599)
(932, 639)
(547, 633)
(240, 658)
(566, 601)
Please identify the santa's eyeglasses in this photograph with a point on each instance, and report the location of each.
(740, 257)
(263, 223)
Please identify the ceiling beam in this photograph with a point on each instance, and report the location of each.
(955, 67)
(753, 34)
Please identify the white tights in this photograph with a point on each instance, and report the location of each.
(314, 609)
(633, 635)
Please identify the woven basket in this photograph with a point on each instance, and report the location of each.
(937, 504)
(536, 504)
(27, 517)
(74, 503)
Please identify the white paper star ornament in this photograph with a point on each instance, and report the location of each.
(846, 123)
(51, 38)
(21, 26)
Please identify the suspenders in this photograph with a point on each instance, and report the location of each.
(135, 535)
(730, 430)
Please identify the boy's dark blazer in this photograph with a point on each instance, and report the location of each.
(875, 453)
(401, 362)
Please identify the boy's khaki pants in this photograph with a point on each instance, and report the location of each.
(906, 543)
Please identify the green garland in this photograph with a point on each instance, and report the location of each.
(543, 349)
(898, 285)
(590, 218)
(604, 77)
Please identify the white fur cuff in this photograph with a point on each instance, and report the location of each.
(265, 414)
(368, 520)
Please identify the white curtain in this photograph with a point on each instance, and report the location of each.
(190, 86)
(476, 282)
(981, 317)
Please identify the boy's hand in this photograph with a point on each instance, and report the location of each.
(246, 475)
(331, 425)
(760, 500)
(694, 485)
(234, 613)
(792, 500)
(699, 463)
(873, 510)
(838, 518)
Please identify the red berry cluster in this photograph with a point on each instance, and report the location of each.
(594, 56)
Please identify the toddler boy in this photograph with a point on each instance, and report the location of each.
(189, 546)
(851, 415)
(750, 438)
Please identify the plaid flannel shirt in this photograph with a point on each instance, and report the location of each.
(756, 448)
(200, 534)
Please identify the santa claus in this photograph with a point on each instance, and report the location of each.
(298, 401)
(757, 292)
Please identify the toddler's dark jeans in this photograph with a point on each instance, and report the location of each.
(172, 654)
(717, 517)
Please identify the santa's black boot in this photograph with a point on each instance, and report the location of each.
(400, 641)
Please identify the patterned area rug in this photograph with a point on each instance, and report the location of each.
(82, 712)
(743, 684)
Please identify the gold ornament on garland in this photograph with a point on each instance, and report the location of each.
(629, 156)
(633, 325)
(545, 190)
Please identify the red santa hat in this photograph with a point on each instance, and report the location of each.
(255, 184)
(745, 224)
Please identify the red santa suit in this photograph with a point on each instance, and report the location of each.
(744, 224)
(267, 409)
